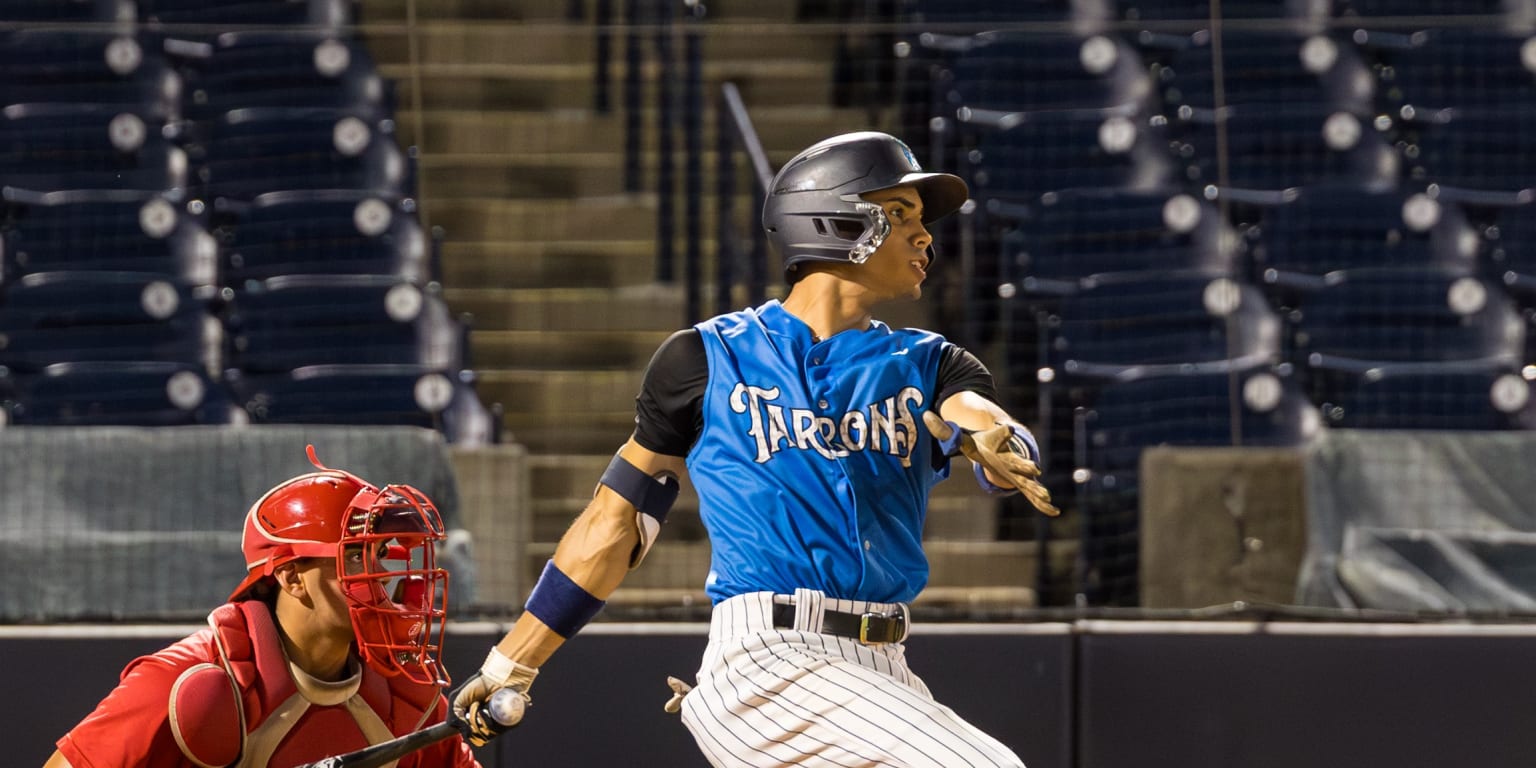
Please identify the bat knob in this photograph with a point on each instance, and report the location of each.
(506, 707)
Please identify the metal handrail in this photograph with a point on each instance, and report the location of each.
(734, 130)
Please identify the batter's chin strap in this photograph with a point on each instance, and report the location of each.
(651, 496)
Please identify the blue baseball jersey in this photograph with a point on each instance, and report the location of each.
(813, 466)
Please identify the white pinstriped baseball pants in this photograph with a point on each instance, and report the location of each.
(770, 697)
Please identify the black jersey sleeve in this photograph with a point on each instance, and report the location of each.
(669, 412)
(960, 371)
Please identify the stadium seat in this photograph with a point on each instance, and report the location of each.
(931, 14)
(1366, 10)
(441, 399)
(1275, 147)
(53, 317)
(1325, 228)
(1003, 72)
(1148, 324)
(1364, 318)
(1478, 68)
(286, 69)
(53, 147)
(139, 394)
(77, 66)
(249, 152)
(288, 322)
(1080, 234)
(84, 231)
(327, 232)
(1433, 396)
(1053, 151)
(1277, 68)
(1489, 150)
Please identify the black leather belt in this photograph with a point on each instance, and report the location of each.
(873, 628)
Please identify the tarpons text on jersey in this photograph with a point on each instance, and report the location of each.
(886, 425)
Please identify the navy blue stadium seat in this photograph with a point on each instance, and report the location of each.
(53, 317)
(327, 232)
(1376, 9)
(249, 152)
(1275, 147)
(1483, 68)
(311, 13)
(1079, 234)
(286, 69)
(1435, 396)
(1479, 149)
(1327, 228)
(1364, 318)
(139, 394)
(1054, 151)
(67, 10)
(83, 231)
(1025, 72)
(52, 147)
(441, 399)
(293, 321)
(1199, 11)
(1113, 328)
(1268, 67)
(76, 66)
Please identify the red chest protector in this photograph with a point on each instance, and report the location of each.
(218, 708)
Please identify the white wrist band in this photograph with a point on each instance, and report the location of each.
(503, 671)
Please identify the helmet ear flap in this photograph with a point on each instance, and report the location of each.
(873, 237)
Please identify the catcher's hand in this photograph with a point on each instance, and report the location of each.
(472, 710)
(1001, 450)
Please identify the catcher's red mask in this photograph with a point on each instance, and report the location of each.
(383, 541)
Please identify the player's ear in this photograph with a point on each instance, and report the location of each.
(289, 581)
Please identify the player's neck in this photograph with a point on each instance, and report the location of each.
(312, 647)
(829, 305)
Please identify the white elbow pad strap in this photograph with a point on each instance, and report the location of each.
(652, 497)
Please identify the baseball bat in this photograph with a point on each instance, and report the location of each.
(394, 749)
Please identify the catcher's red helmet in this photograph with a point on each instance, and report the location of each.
(395, 592)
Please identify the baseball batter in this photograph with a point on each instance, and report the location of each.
(327, 646)
(813, 434)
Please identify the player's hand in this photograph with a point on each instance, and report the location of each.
(472, 710)
(999, 450)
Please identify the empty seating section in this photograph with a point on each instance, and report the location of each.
(207, 219)
(1318, 215)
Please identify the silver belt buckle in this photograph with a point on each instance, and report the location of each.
(896, 619)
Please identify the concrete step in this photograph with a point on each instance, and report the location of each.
(490, 41)
(784, 130)
(550, 264)
(545, 86)
(639, 308)
(587, 350)
(628, 217)
(594, 432)
(454, 176)
(570, 394)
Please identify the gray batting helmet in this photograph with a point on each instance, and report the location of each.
(814, 211)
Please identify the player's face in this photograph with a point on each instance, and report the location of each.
(897, 269)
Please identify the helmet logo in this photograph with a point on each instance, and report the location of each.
(907, 153)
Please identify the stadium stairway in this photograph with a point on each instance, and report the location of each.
(556, 262)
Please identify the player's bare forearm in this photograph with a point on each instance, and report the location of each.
(595, 553)
(972, 411)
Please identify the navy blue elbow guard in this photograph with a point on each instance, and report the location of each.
(563, 605)
(652, 497)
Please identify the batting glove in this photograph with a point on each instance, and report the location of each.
(470, 701)
(1004, 449)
